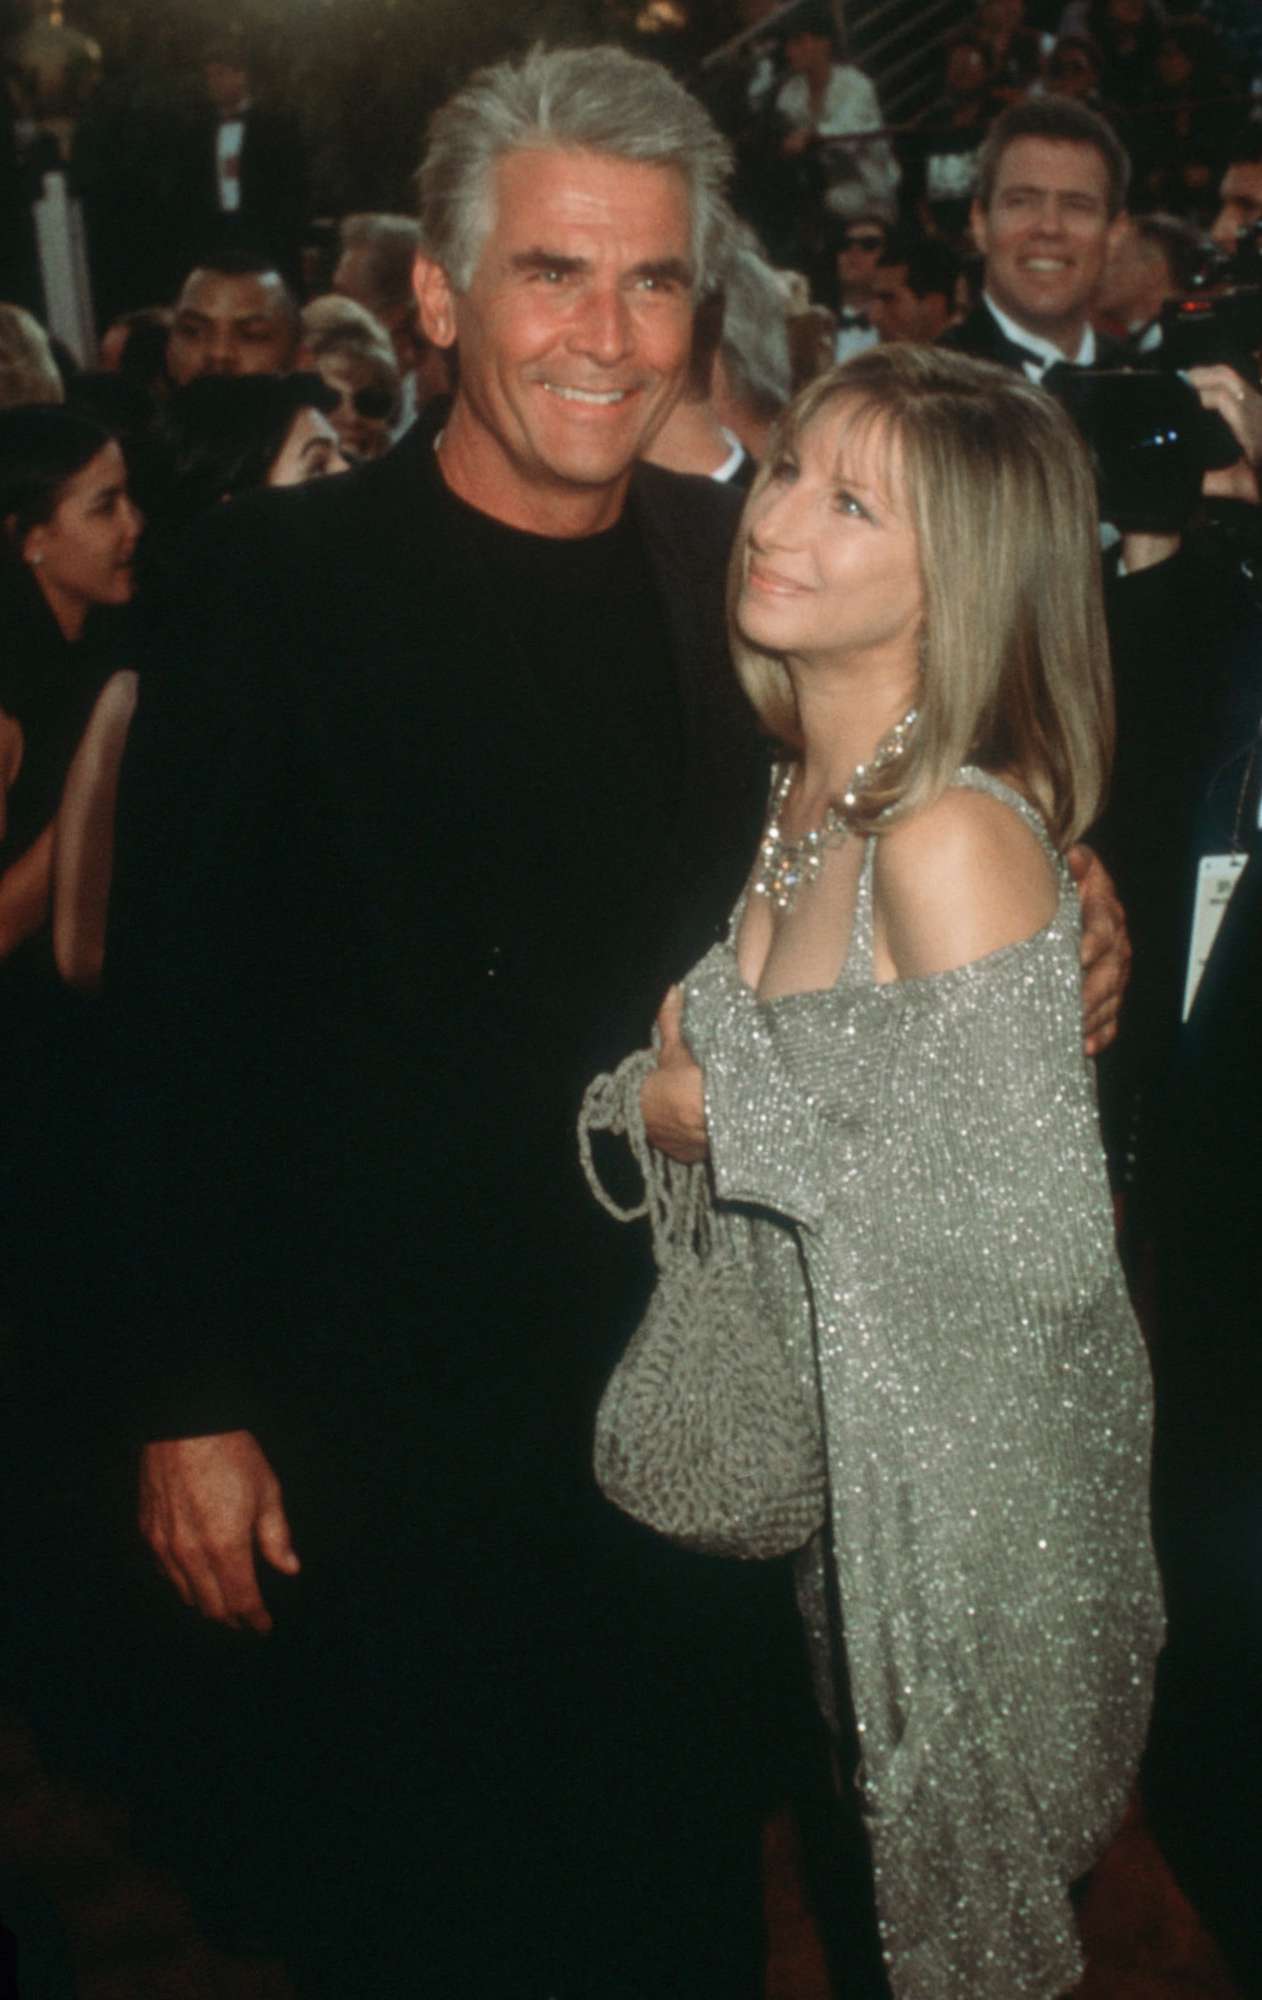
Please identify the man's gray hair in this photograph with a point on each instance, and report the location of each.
(755, 341)
(597, 100)
(391, 243)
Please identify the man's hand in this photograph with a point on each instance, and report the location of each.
(205, 1504)
(1240, 407)
(1106, 949)
(672, 1100)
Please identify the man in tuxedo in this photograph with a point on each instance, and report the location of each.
(244, 176)
(1200, 1195)
(438, 779)
(1051, 190)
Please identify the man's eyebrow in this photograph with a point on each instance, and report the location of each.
(670, 270)
(189, 315)
(673, 270)
(547, 260)
(1066, 194)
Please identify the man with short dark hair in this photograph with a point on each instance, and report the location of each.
(913, 290)
(234, 316)
(1051, 187)
(1240, 191)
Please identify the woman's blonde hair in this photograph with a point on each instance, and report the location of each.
(1000, 491)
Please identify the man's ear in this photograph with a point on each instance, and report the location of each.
(435, 301)
(977, 223)
(1117, 230)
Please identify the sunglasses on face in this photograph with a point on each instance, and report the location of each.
(375, 404)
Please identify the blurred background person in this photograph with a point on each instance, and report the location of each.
(857, 246)
(375, 268)
(28, 369)
(1240, 190)
(222, 436)
(752, 374)
(135, 343)
(1127, 33)
(243, 179)
(914, 289)
(362, 377)
(1073, 68)
(1154, 258)
(824, 99)
(941, 154)
(739, 363)
(1178, 139)
(68, 538)
(1016, 51)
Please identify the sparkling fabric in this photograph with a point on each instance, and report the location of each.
(936, 1242)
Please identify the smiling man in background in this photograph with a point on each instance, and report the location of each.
(1051, 189)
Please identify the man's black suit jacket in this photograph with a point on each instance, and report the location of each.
(981, 335)
(353, 1022)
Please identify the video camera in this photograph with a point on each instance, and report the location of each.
(1150, 435)
(1220, 319)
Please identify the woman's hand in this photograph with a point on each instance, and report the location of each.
(672, 1100)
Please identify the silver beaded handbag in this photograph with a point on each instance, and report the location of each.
(703, 1432)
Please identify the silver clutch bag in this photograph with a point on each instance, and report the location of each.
(703, 1432)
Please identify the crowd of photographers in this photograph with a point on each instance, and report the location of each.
(1013, 225)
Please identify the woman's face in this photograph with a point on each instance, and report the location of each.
(311, 451)
(832, 567)
(83, 554)
(362, 417)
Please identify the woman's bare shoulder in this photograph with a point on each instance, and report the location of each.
(961, 878)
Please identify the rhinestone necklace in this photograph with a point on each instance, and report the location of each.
(785, 866)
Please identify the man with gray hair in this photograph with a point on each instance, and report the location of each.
(444, 784)
(375, 267)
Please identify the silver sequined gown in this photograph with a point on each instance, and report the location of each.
(936, 1246)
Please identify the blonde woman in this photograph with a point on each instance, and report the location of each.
(884, 1059)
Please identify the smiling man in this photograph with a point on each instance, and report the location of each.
(1052, 184)
(443, 781)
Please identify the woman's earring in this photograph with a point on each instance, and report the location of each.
(36, 559)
